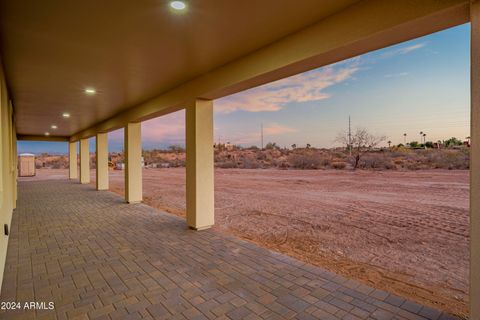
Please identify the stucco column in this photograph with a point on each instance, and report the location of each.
(72, 160)
(101, 156)
(475, 162)
(133, 163)
(84, 161)
(199, 145)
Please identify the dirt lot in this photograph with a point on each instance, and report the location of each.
(405, 232)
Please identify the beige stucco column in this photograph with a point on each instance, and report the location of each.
(72, 160)
(133, 163)
(101, 156)
(84, 161)
(199, 143)
(475, 163)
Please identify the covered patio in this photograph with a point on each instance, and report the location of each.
(96, 257)
(73, 70)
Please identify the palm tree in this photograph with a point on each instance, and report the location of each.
(308, 145)
(404, 139)
(294, 146)
(389, 143)
(425, 140)
(421, 136)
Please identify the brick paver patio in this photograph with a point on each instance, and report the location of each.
(96, 257)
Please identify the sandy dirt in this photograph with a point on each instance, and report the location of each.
(404, 232)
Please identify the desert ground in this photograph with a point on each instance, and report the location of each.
(401, 231)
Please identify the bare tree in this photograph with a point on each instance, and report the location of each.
(361, 141)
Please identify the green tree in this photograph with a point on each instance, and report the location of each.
(414, 144)
(453, 142)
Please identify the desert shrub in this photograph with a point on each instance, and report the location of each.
(261, 155)
(56, 165)
(176, 149)
(304, 161)
(449, 159)
(226, 164)
(325, 162)
(177, 163)
(340, 155)
(283, 165)
(249, 163)
(338, 165)
(413, 166)
(375, 161)
(271, 145)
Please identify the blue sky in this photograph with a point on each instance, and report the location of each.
(419, 85)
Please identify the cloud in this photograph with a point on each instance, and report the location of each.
(403, 50)
(166, 129)
(308, 86)
(395, 75)
(277, 129)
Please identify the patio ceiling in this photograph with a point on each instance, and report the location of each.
(129, 51)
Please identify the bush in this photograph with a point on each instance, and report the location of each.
(249, 162)
(226, 164)
(304, 161)
(375, 161)
(339, 165)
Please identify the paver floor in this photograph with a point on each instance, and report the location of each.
(96, 257)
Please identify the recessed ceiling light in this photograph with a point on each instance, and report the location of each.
(90, 91)
(47, 133)
(178, 5)
(54, 126)
(66, 115)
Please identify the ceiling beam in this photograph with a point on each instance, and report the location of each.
(360, 28)
(23, 137)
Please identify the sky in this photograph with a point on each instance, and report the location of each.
(419, 85)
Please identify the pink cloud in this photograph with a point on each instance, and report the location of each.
(277, 129)
(169, 128)
(308, 86)
(166, 129)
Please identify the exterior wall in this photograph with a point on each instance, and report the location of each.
(8, 167)
(475, 162)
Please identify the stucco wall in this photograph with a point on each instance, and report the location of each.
(8, 167)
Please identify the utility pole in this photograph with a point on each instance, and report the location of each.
(349, 136)
(261, 133)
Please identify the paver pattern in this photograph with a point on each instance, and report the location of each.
(96, 257)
